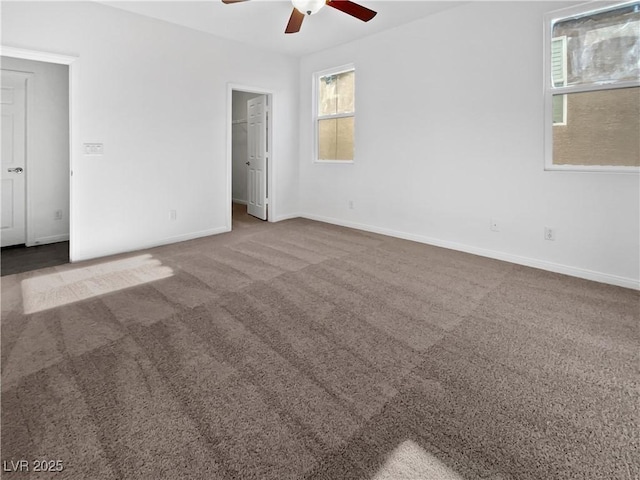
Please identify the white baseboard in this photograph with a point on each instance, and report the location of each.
(165, 241)
(286, 216)
(237, 200)
(50, 239)
(483, 252)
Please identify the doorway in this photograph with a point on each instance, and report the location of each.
(251, 158)
(35, 188)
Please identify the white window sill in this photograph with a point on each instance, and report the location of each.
(336, 162)
(591, 169)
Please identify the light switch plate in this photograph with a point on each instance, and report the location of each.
(93, 148)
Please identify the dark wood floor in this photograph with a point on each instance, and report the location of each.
(20, 259)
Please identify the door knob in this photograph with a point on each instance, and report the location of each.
(248, 163)
(15, 170)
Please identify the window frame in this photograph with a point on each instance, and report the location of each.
(549, 90)
(563, 40)
(350, 67)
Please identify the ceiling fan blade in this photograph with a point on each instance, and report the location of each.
(234, 1)
(353, 9)
(295, 21)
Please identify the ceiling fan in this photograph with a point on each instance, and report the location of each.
(309, 7)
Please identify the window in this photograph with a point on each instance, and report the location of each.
(334, 115)
(592, 88)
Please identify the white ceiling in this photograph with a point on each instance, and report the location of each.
(261, 23)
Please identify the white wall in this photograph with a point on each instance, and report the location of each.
(156, 95)
(240, 152)
(436, 165)
(48, 155)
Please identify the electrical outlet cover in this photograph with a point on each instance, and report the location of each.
(549, 233)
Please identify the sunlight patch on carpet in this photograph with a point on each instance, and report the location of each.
(409, 461)
(76, 284)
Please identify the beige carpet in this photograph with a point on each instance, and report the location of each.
(301, 350)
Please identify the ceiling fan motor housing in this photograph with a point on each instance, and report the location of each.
(308, 6)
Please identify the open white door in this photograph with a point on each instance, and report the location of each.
(258, 155)
(14, 135)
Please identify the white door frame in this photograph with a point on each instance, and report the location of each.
(74, 76)
(271, 203)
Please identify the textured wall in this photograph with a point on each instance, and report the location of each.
(450, 134)
(156, 95)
